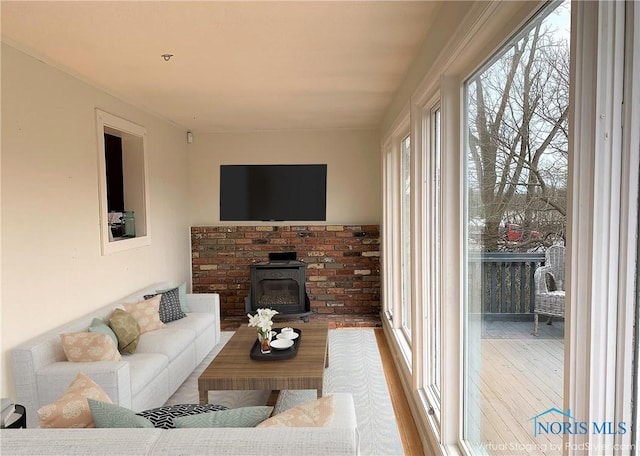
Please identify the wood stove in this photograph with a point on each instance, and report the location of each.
(280, 284)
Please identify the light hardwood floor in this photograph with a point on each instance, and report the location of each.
(411, 442)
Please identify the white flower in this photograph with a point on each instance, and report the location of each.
(262, 319)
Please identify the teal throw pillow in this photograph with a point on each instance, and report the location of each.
(99, 326)
(243, 417)
(113, 416)
(182, 296)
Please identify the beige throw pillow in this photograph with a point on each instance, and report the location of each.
(85, 347)
(72, 409)
(146, 313)
(316, 413)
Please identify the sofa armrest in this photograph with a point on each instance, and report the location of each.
(204, 302)
(112, 376)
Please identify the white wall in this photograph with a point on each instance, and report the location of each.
(52, 267)
(352, 158)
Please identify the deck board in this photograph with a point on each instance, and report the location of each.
(520, 376)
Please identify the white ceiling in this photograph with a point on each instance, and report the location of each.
(237, 65)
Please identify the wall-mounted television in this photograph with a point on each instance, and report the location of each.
(273, 193)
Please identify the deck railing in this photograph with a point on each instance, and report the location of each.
(504, 280)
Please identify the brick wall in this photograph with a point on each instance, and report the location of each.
(343, 273)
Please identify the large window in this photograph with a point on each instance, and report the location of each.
(516, 110)
(525, 180)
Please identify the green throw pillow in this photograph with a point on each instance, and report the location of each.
(99, 326)
(113, 416)
(240, 417)
(127, 330)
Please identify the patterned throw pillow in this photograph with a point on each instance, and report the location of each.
(126, 329)
(239, 417)
(146, 314)
(316, 413)
(182, 295)
(72, 409)
(86, 347)
(162, 417)
(169, 305)
(99, 326)
(107, 415)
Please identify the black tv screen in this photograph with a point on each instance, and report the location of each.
(273, 192)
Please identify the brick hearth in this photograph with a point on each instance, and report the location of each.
(343, 273)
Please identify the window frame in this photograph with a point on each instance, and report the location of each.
(431, 252)
(406, 249)
(392, 241)
(109, 123)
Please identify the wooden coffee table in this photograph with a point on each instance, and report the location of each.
(233, 369)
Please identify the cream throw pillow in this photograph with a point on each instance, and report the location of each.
(316, 413)
(72, 409)
(85, 347)
(146, 313)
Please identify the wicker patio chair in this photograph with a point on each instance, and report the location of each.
(549, 286)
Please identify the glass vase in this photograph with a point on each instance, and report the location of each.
(265, 341)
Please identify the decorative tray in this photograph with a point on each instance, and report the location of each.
(287, 353)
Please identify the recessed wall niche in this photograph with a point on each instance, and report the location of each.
(123, 190)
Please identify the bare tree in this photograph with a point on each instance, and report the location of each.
(518, 109)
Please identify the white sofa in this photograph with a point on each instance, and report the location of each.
(141, 381)
(340, 438)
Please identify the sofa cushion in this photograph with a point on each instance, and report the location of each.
(127, 330)
(106, 415)
(316, 413)
(169, 305)
(239, 417)
(146, 313)
(72, 408)
(162, 417)
(99, 326)
(195, 321)
(182, 295)
(144, 368)
(84, 347)
(170, 342)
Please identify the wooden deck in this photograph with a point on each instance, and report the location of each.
(519, 377)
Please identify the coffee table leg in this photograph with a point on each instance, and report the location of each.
(204, 396)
